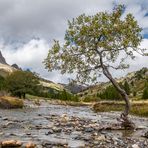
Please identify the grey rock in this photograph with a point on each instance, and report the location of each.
(2, 59)
(89, 129)
(49, 132)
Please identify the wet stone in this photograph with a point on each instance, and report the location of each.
(57, 130)
(30, 145)
(49, 132)
(146, 135)
(89, 129)
(50, 144)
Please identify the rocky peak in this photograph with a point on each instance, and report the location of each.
(2, 59)
(16, 66)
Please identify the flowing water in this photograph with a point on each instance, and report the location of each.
(34, 123)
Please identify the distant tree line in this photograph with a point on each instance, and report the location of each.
(20, 83)
(110, 93)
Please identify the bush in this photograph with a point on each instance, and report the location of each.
(2, 83)
(110, 93)
(145, 91)
(134, 93)
(145, 94)
(126, 87)
(21, 82)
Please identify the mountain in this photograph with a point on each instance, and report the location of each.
(136, 80)
(2, 59)
(16, 66)
(5, 69)
(74, 88)
(49, 84)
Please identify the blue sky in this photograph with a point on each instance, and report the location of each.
(27, 28)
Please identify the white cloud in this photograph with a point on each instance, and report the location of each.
(28, 55)
(21, 20)
(32, 54)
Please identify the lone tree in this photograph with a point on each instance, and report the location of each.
(95, 44)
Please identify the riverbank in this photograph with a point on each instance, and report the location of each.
(138, 108)
(61, 126)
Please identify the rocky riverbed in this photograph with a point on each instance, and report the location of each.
(50, 126)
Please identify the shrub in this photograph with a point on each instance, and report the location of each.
(126, 87)
(21, 82)
(145, 94)
(110, 93)
(2, 83)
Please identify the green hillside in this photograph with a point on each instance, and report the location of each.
(137, 83)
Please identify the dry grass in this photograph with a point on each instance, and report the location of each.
(10, 102)
(139, 108)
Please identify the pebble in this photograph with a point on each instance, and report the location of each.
(56, 130)
(49, 132)
(30, 145)
(135, 146)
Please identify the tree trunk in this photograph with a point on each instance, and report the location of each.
(120, 90)
(125, 122)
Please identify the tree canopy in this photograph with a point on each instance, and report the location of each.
(92, 42)
(21, 82)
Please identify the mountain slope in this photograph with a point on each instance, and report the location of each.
(6, 70)
(2, 59)
(74, 88)
(136, 80)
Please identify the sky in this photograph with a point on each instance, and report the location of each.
(28, 27)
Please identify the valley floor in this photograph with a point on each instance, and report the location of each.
(66, 126)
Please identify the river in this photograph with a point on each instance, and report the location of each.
(68, 126)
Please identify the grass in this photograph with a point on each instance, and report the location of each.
(37, 100)
(139, 108)
(10, 102)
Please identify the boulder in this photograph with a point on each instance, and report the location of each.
(10, 143)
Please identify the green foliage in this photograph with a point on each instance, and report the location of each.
(126, 87)
(134, 93)
(145, 92)
(90, 99)
(110, 93)
(141, 74)
(2, 83)
(21, 82)
(60, 95)
(91, 38)
(66, 96)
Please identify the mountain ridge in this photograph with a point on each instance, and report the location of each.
(136, 80)
(2, 59)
